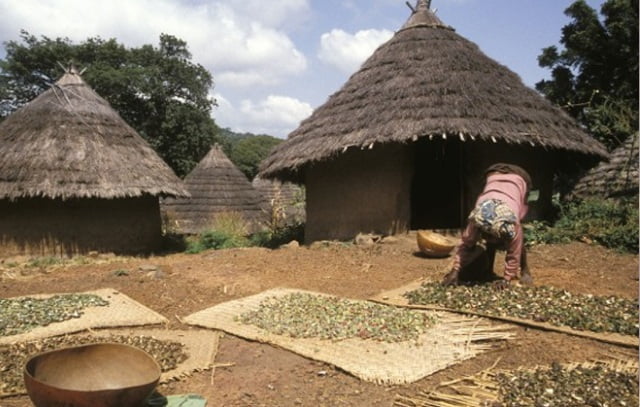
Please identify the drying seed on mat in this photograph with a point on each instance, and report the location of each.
(603, 384)
(542, 304)
(21, 315)
(561, 386)
(303, 315)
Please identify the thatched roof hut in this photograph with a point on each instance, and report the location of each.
(75, 177)
(428, 101)
(217, 188)
(282, 201)
(616, 178)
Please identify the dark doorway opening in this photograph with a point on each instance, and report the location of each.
(436, 190)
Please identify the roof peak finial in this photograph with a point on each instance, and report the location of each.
(421, 5)
(422, 15)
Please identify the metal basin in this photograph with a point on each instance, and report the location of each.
(95, 375)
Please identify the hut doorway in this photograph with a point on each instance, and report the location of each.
(436, 190)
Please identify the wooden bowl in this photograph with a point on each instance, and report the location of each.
(434, 244)
(95, 375)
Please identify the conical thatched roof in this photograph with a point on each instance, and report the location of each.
(217, 186)
(69, 143)
(618, 177)
(427, 81)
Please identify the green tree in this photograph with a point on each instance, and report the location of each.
(595, 76)
(159, 91)
(248, 152)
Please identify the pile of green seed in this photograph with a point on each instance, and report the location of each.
(23, 314)
(302, 315)
(542, 304)
(559, 386)
(168, 354)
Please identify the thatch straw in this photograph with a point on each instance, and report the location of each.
(217, 186)
(69, 143)
(618, 177)
(426, 82)
(482, 388)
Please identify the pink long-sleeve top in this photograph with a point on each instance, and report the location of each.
(512, 190)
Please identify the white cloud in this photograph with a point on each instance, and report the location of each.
(274, 115)
(231, 38)
(348, 51)
(273, 13)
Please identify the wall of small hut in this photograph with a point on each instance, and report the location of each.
(395, 188)
(359, 191)
(42, 226)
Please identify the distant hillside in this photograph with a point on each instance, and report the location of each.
(247, 150)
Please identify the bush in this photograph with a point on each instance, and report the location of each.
(611, 223)
(278, 236)
(216, 239)
(229, 231)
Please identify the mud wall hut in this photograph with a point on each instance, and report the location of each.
(283, 202)
(74, 177)
(403, 144)
(217, 188)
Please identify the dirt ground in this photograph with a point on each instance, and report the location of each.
(262, 375)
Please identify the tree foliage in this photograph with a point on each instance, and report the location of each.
(247, 150)
(595, 76)
(159, 91)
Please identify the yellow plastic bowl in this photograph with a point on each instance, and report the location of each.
(434, 244)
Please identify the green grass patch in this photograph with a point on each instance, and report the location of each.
(610, 223)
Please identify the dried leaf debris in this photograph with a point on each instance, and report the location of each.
(602, 383)
(608, 314)
(19, 315)
(303, 315)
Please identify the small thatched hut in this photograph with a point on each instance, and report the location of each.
(404, 142)
(74, 177)
(616, 178)
(217, 188)
(282, 201)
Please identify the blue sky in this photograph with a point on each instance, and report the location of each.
(274, 61)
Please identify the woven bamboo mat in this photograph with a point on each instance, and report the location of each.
(396, 297)
(200, 345)
(121, 311)
(452, 339)
(482, 388)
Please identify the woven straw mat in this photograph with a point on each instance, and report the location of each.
(121, 311)
(396, 297)
(200, 345)
(454, 338)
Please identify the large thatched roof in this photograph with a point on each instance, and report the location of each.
(617, 177)
(217, 186)
(69, 143)
(427, 81)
